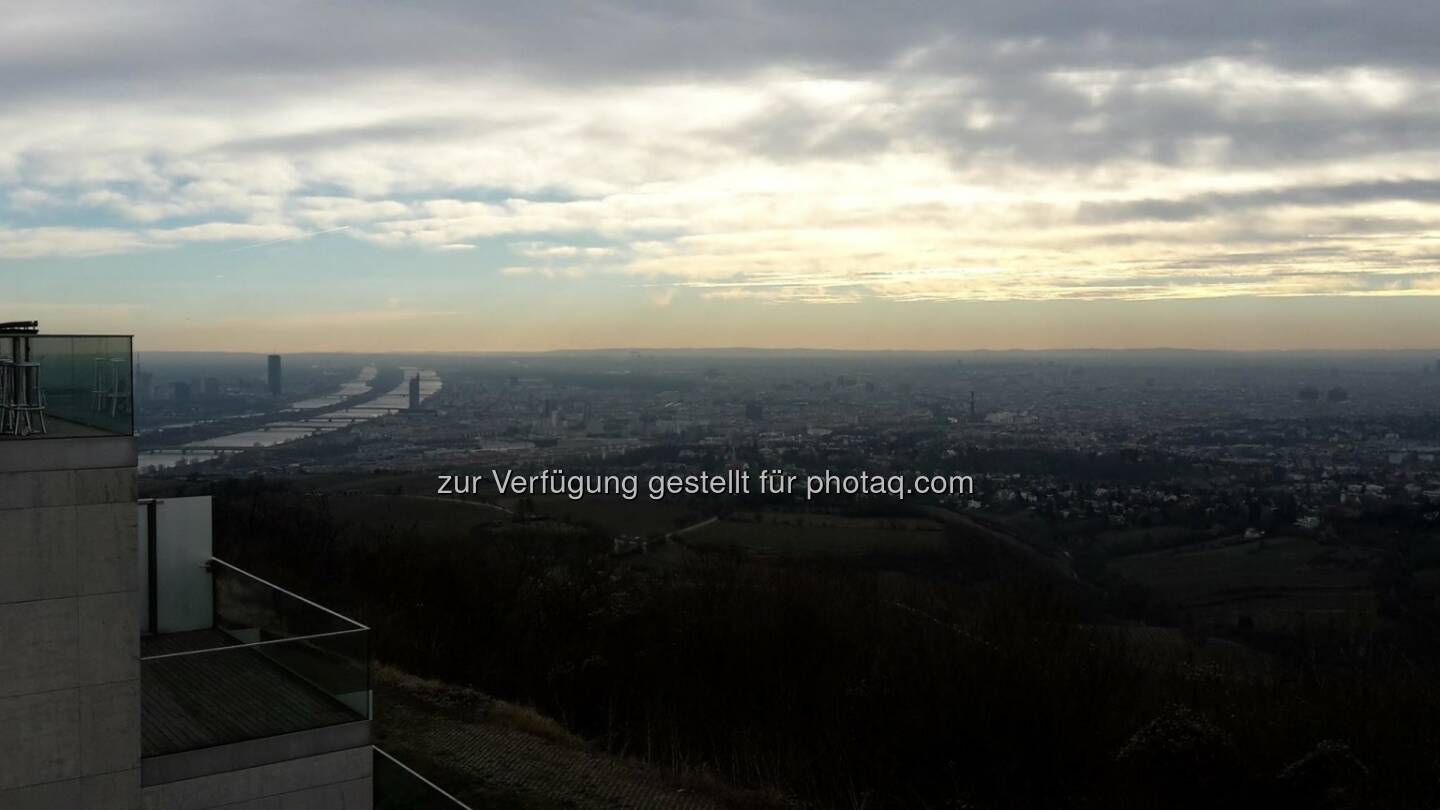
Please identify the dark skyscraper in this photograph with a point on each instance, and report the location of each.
(144, 385)
(415, 393)
(274, 376)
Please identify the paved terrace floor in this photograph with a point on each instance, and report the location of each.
(57, 428)
(223, 696)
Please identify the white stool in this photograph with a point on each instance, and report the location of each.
(100, 385)
(117, 395)
(7, 392)
(28, 402)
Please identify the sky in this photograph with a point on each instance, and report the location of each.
(460, 176)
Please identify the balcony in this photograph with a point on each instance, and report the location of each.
(65, 386)
(238, 673)
(273, 668)
(243, 673)
(270, 663)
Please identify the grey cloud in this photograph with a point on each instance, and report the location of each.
(1004, 52)
(1034, 120)
(1350, 282)
(391, 132)
(584, 43)
(1292, 262)
(974, 82)
(790, 129)
(1207, 205)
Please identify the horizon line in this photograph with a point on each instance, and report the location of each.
(810, 349)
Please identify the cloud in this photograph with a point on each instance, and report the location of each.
(65, 242)
(328, 212)
(225, 232)
(1424, 191)
(30, 198)
(68, 42)
(797, 152)
(30, 243)
(541, 250)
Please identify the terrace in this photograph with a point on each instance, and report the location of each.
(263, 663)
(64, 386)
(237, 672)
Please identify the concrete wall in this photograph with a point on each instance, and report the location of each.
(338, 780)
(69, 625)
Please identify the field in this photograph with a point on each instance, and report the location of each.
(416, 515)
(811, 534)
(1140, 540)
(1277, 582)
(614, 515)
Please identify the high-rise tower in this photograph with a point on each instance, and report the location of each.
(273, 377)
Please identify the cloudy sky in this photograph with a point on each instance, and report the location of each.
(466, 176)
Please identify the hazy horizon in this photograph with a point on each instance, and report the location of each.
(1428, 355)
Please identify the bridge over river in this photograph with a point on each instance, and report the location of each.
(290, 429)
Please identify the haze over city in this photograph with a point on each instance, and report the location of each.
(364, 177)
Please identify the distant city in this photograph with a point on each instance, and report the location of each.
(1222, 443)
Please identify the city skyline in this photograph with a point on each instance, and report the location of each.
(440, 178)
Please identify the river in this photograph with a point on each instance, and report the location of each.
(284, 430)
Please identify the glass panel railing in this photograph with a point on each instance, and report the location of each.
(252, 609)
(223, 695)
(60, 386)
(271, 663)
(399, 788)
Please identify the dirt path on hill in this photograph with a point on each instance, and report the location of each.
(490, 754)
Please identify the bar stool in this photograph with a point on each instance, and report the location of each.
(100, 385)
(117, 395)
(29, 400)
(7, 392)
